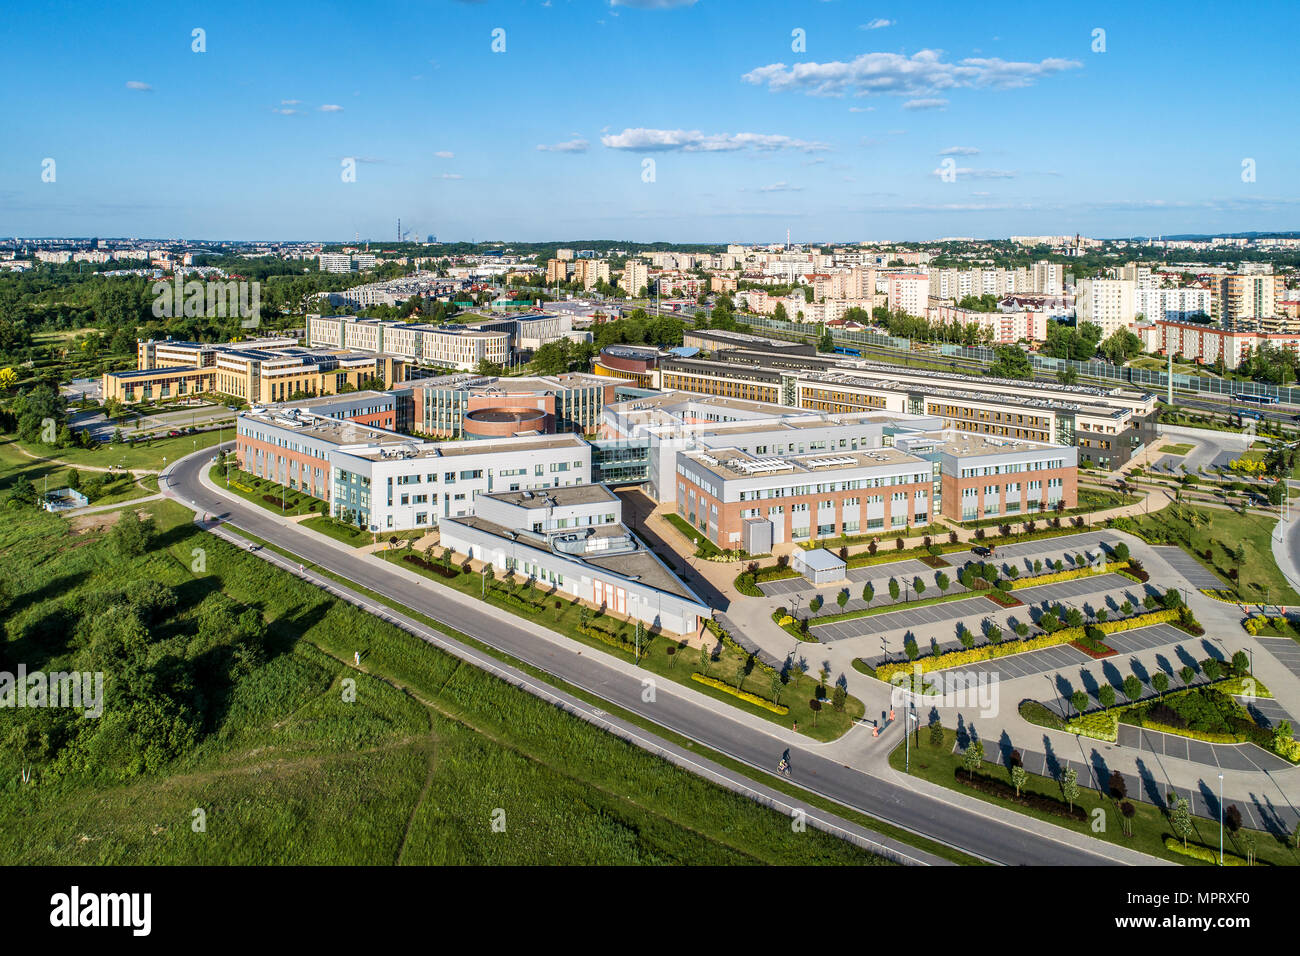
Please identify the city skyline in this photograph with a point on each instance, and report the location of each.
(854, 137)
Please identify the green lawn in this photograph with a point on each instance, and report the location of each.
(43, 474)
(940, 765)
(1182, 448)
(665, 657)
(253, 490)
(705, 548)
(779, 783)
(1220, 532)
(257, 722)
(141, 456)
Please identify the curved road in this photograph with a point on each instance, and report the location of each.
(986, 836)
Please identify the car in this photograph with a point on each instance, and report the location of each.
(173, 434)
(981, 550)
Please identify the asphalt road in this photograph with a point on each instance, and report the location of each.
(975, 833)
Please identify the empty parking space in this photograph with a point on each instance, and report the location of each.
(1259, 813)
(1266, 712)
(1285, 650)
(1188, 567)
(925, 618)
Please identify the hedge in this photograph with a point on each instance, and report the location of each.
(1100, 725)
(1202, 853)
(988, 652)
(613, 640)
(742, 694)
(1057, 576)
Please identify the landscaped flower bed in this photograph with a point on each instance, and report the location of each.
(988, 652)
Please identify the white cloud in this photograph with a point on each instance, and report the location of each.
(445, 154)
(781, 187)
(572, 146)
(862, 109)
(452, 176)
(331, 108)
(965, 172)
(895, 73)
(930, 103)
(139, 86)
(959, 151)
(290, 102)
(877, 24)
(693, 141)
(285, 112)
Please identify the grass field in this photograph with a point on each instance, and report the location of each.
(666, 657)
(141, 456)
(115, 488)
(1182, 448)
(1220, 532)
(941, 765)
(228, 690)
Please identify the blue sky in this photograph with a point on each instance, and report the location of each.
(841, 141)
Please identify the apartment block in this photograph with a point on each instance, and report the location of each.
(1109, 303)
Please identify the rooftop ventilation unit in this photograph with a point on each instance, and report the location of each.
(828, 462)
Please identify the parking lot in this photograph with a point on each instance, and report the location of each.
(1188, 567)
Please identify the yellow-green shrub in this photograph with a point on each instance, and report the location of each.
(1057, 576)
(742, 694)
(990, 652)
(1202, 853)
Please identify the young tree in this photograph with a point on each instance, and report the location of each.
(868, 593)
(842, 598)
(936, 739)
(1187, 672)
(1126, 813)
(943, 581)
(1106, 696)
(1132, 687)
(918, 585)
(894, 589)
(1018, 778)
(839, 697)
(1180, 819)
(1117, 785)
(1080, 700)
(1070, 786)
(972, 758)
(1160, 681)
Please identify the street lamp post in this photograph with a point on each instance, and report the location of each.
(1220, 819)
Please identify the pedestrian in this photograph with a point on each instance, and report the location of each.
(356, 656)
(891, 715)
(795, 728)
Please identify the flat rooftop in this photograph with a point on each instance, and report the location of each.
(333, 431)
(732, 463)
(636, 565)
(556, 497)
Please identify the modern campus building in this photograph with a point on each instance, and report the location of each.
(383, 480)
(258, 372)
(444, 346)
(1106, 425)
(637, 364)
(573, 539)
(497, 340)
(752, 475)
(477, 406)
